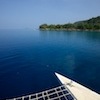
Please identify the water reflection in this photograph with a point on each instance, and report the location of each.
(29, 55)
(77, 55)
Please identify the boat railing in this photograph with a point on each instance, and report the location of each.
(57, 93)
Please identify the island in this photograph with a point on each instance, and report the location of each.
(87, 25)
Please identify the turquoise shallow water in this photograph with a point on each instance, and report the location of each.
(28, 60)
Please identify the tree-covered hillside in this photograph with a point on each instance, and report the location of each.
(91, 24)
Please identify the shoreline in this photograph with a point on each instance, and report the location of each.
(86, 30)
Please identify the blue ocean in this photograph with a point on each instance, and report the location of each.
(30, 58)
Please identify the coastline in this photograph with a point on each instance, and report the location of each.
(86, 30)
(92, 24)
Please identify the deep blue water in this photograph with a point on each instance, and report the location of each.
(28, 60)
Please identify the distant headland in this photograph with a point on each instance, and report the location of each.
(92, 24)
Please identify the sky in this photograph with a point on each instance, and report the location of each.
(20, 14)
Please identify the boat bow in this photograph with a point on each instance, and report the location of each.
(79, 91)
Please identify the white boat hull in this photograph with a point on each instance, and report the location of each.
(80, 92)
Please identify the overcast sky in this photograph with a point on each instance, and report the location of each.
(31, 13)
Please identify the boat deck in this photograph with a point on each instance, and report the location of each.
(70, 90)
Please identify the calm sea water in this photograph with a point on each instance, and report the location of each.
(29, 59)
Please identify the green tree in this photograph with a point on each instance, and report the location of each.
(43, 26)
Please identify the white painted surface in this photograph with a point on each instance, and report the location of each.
(79, 91)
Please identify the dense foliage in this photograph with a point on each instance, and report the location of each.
(91, 24)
